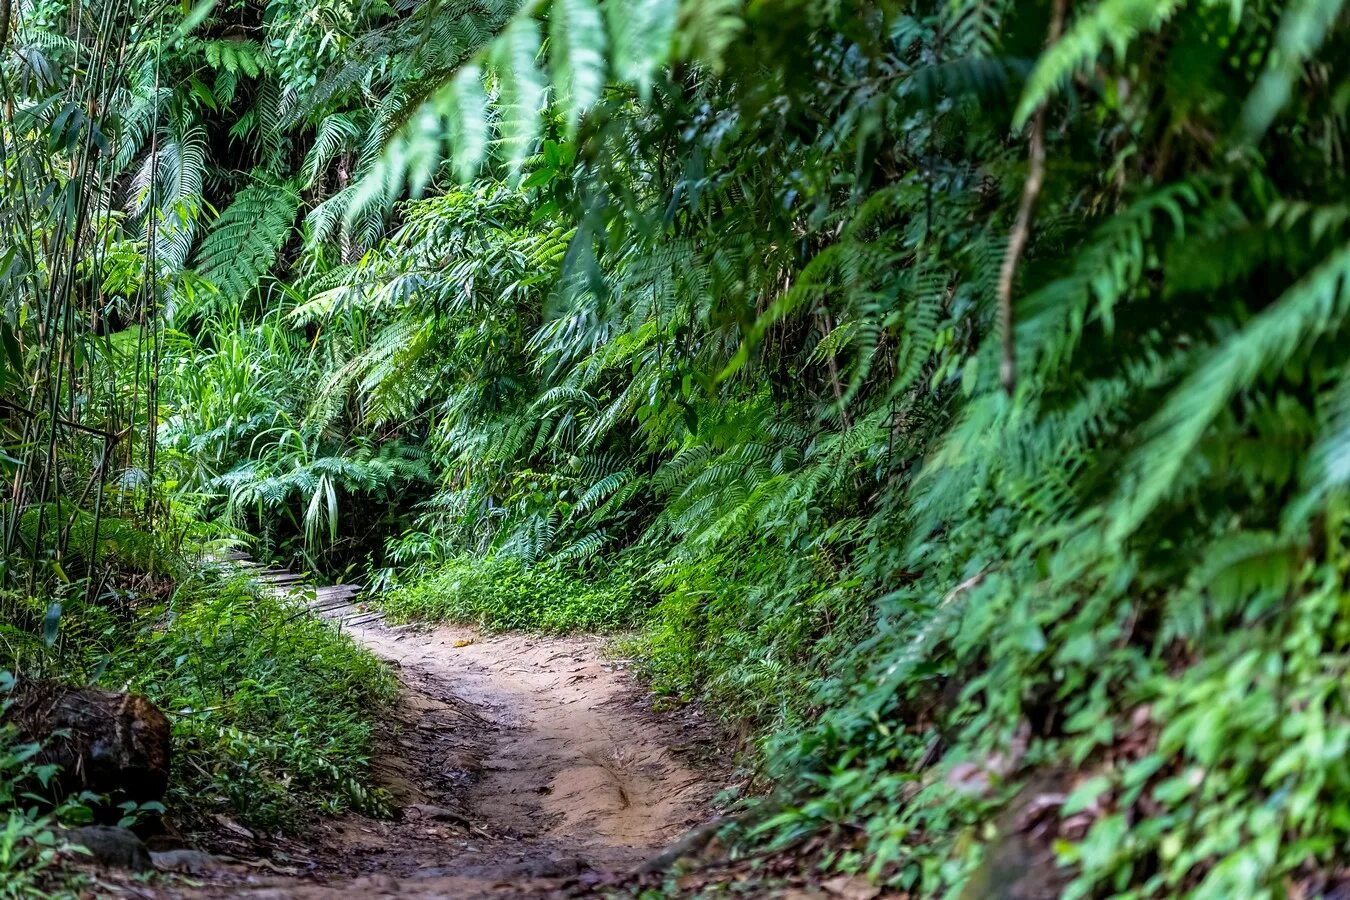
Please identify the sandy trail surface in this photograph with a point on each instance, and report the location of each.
(519, 766)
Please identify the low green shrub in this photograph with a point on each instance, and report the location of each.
(272, 710)
(747, 630)
(29, 840)
(500, 594)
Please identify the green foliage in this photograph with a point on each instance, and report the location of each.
(743, 631)
(28, 849)
(500, 594)
(577, 33)
(781, 363)
(243, 244)
(1109, 23)
(29, 843)
(117, 123)
(715, 308)
(272, 710)
(255, 443)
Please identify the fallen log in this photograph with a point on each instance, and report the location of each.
(104, 742)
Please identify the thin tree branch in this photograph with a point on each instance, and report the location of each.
(1021, 231)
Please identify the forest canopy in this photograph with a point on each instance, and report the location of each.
(951, 395)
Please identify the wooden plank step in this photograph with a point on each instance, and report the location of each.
(335, 598)
(322, 596)
(333, 603)
(326, 596)
(274, 585)
(330, 606)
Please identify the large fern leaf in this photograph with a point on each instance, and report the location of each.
(1317, 305)
(243, 245)
(577, 42)
(1110, 24)
(521, 89)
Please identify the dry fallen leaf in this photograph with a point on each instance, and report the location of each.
(851, 887)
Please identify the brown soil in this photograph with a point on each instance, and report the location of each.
(519, 766)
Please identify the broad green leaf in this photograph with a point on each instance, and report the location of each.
(51, 624)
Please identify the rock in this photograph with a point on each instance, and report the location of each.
(112, 848)
(104, 742)
(186, 862)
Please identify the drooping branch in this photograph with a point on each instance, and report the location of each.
(1021, 231)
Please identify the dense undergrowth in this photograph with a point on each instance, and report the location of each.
(272, 712)
(951, 394)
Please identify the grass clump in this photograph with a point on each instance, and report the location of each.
(272, 710)
(500, 594)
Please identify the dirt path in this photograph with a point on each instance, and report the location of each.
(520, 766)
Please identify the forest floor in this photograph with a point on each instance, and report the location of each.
(517, 765)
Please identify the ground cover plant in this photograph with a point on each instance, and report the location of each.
(503, 595)
(950, 394)
(272, 712)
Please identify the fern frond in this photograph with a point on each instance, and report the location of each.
(336, 133)
(244, 243)
(577, 45)
(1303, 27)
(521, 88)
(642, 33)
(1110, 24)
(1315, 306)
